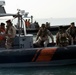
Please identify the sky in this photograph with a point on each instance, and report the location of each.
(43, 8)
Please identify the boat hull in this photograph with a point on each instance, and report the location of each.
(52, 56)
(53, 29)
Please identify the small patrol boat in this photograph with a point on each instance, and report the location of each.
(25, 54)
(33, 27)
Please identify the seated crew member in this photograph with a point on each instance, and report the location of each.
(62, 37)
(2, 35)
(10, 34)
(72, 31)
(42, 36)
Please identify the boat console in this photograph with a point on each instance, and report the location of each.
(23, 41)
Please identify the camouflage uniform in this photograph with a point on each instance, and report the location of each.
(10, 35)
(62, 38)
(42, 37)
(72, 32)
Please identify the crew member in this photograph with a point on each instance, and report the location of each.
(62, 37)
(72, 31)
(42, 36)
(10, 34)
(2, 35)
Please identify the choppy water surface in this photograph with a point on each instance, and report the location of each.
(58, 70)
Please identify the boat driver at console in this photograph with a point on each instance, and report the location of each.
(42, 38)
(10, 34)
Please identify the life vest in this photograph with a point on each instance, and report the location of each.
(73, 32)
(43, 32)
(28, 24)
(63, 39)
(2, 32)
(11, 31)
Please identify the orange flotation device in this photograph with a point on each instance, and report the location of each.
(2, 31)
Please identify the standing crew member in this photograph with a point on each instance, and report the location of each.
(2, 35)
(72, 31)
(10, 34)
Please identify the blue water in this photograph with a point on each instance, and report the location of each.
(58, 70)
